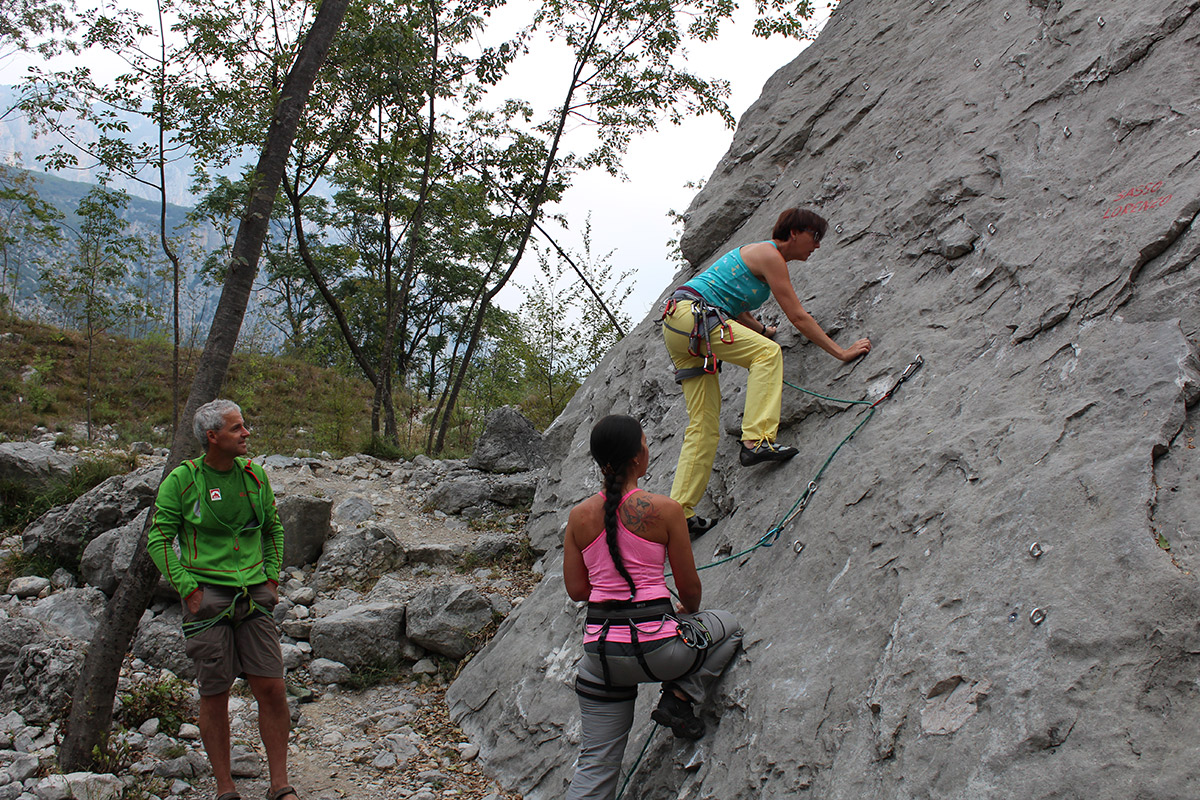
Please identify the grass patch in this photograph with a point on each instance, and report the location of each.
(375, 675)
(288, 403)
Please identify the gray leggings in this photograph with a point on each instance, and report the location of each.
(606, 723)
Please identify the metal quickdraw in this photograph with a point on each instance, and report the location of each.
(909, 371)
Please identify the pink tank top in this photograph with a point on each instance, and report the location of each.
(644, 561)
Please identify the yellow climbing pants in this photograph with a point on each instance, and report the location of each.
(764, 395)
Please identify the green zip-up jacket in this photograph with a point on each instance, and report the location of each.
(209, 551)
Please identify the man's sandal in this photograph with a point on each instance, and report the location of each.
(282, 792)
(229, 796)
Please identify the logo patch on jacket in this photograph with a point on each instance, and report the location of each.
(214, 494)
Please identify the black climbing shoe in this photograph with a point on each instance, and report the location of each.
(677, 715)
(765, 451)
(698, 526)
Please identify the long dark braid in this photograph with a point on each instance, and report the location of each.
(616, 441)
(614, 481)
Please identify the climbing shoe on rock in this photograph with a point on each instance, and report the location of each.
(765, 451)
(698, 526)
(677, 715)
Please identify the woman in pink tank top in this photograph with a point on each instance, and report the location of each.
(614, 550)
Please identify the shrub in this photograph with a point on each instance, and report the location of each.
(166, 699)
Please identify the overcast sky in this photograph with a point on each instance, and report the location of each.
(629, 217)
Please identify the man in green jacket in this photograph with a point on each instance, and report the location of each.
(221, 510)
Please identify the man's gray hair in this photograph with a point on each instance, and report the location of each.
(211, 417)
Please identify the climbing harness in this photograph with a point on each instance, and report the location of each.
(705, 319)
(199, 626)
(1037, 616)
(630, 614)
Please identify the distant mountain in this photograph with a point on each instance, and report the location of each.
(20, 146)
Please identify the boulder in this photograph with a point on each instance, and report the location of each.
(106, 559)
(449, 619)
(515, 490)
(509, 443)
(34, 466)
(370, 635)
(454, 495)
(306, 525)
(28, 586)
(353, 511)
(436, 553)
(159, 642)
(358, 552)
(62, 533)
(492, 546)
(325, 671)
(76, 612)
(15, 633)
(40, 683)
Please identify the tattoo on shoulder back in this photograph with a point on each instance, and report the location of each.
(639, 513)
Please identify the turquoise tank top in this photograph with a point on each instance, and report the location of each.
(730, 285)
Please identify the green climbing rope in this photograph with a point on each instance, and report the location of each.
(770, 537)
(637, 763)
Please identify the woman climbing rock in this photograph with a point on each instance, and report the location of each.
(613, 555)
(709, 320)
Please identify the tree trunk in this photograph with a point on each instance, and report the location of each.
(91, 709)
(535, 207)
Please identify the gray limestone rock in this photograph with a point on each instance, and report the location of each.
(15, 633)
(1012, 193)
(509, 443)
(448, 619)
(454, 495)
(76, 612)
(359, 552)
(159, 642)
(62, 533)
(28, 586)
(436, 553)
(40, 683)
(490, 547)
(34, 466)
(369, 635)
(106, 559)
(244, 762)
(353, 511)
(306, 525)
(327, 671)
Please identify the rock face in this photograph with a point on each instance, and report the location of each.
(1012, 193)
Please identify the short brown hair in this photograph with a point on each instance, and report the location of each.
(801, 220)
